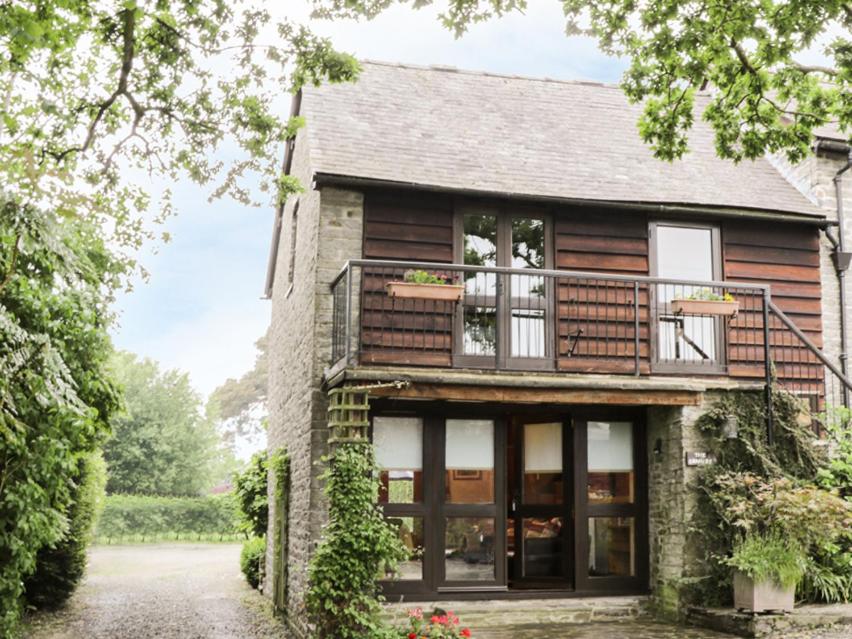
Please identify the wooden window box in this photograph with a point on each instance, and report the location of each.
(721, 308)
(437, 292)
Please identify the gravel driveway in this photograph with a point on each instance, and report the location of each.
(167, 591)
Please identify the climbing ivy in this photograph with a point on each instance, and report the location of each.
(279, 466)
(755, 487)
(343, 598)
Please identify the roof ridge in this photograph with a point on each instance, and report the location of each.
(441, 68)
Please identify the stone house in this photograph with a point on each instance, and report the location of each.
(542, 437)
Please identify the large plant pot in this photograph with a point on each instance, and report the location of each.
(765, 596)
(438, 292)
(706, 307)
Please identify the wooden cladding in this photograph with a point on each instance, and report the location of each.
(596, 327)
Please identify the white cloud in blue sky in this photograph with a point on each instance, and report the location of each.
(201, 309)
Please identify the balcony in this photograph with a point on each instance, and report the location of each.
(509, 319)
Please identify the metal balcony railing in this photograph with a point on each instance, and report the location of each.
(576, 322)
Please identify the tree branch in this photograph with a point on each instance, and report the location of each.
(804, 68)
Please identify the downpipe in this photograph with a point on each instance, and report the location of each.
(841, 264)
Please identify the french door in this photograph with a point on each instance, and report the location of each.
(506, 320)
(488, 503)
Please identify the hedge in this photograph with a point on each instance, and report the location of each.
(60, 566)
(146, 518)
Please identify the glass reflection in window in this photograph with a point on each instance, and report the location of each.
(480, 312)
(469, 549)
(398, 443)
(469, 461)
(410, 533)
(610, 463)
(612, 546)
(528, 291)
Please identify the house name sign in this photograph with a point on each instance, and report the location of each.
(700, 458)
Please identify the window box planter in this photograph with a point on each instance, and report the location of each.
(764, 596)
(720, 308)
(437, 292)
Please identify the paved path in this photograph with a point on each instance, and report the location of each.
(167, 591)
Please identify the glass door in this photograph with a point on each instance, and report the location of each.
(540, 523)
(685, 253)
(505, 320)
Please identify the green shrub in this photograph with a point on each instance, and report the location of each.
(252, 560)
(343, 599)
(60, 567)
(769, 558)
(147, 518)
(250, 488)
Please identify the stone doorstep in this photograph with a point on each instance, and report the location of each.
(809, 617)
(495, 613)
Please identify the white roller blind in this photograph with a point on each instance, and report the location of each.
(398, 442)
(470, 444)
(543, 448)
(610, 446)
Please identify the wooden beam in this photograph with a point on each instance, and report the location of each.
(510, 395)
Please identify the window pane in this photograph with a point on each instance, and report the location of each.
(469, 549)
(543, 547)
(480, 330)
(527, 332)
(399, 453)
(612, 547)
(410, 531)
(470, 461)
(480, 240)
(610, 457)
(527, 242)
(543, 464)
(684, 253)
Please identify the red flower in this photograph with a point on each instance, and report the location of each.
(412, 635)
(465, 632)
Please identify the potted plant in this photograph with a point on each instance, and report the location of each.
(706, 302)
(418, 284)
(767, 570)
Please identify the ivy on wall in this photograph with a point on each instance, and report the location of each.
(755, 487)
(279, 466)
(343, 600)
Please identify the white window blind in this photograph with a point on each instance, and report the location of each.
(610, 446)
(543, 448)
(470, 444)
(398, 442)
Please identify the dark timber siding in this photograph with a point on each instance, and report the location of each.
(595, 331)
(787, 258)
(597, 314)
(404, 331)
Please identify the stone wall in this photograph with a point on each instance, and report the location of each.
(329, 231)
(675, 553)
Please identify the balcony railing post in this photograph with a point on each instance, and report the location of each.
(348, 340)
(767, 365)
(636, 361)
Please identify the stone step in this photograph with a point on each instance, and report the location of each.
(497, 613)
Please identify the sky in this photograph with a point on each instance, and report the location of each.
(201, 309)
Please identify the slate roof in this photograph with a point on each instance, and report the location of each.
(454, 129)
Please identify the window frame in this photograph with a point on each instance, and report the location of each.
(502, 360)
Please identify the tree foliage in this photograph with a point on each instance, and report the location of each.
(162, 444)
(93, 96)
(240, 404)
(56, 395)
(746, 56)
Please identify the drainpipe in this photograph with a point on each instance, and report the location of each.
(841, 263)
